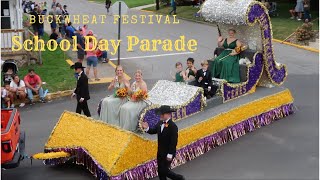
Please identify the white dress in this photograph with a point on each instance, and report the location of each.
(110, 107)
(130, 111)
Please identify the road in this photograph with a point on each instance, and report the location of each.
(287, 149)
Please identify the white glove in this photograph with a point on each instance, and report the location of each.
(81, 100)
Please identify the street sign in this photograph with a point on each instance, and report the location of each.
(119, 8)
(116, 7)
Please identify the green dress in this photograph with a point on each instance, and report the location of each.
(191, 73)
(179, 78)
(227, 67)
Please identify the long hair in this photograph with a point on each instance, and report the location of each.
(13, 76)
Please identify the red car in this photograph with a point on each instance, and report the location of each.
(12, 139)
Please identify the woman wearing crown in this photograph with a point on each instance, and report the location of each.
(226, 65)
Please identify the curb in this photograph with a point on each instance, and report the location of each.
(297, 46)
(275, 40)
(49, 96)
(55, 95)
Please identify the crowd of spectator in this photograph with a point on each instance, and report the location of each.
(18, 89)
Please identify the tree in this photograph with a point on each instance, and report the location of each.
(157, 4)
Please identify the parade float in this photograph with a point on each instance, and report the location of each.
(110, 152)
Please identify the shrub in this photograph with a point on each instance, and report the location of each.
(305, 32)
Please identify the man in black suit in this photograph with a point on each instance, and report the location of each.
(82, 90)
(204, 80)
(167, 132)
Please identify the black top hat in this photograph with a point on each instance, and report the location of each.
(164, 109)
(77, 65)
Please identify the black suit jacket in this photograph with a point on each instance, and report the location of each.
(167, 139)
(207, 79)
(82, 89)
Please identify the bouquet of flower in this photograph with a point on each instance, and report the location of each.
(239, 49)
(139, 95)
(121, 93)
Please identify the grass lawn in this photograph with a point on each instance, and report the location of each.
(131, 3)
(55, 71)
(282, 26)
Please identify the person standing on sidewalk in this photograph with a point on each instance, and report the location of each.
(92, 60)
(108, 5)
(174, 7)
(82, 90)
(80, 45)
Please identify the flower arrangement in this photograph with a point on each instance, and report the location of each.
(121, 93)
(140, 95)
(51, 155)
(239, 49)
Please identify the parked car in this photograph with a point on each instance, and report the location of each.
(12, 139)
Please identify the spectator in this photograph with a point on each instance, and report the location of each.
(54, 35)
(64, 10)
(306, 7)
(44, 8)
(36, 23)
(174, 7)
(17, 90)
(62, 24)
(70, 30)
(266, 4)
(298, 9)
(80, 45)
(84, 29)
(8, 75)
(52, 19)
(32, 6)
(92, 60)
(41, 23)
(108, 4)
(5, 94)
(102, 54)
(34, 83)
(53, 3)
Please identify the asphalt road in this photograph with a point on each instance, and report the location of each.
(286, 149)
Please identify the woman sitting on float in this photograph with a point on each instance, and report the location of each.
(110, 106)
(226, 65)
(129, 112)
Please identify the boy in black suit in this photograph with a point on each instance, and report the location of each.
(167, 132)
(82, 90)
(204, 80)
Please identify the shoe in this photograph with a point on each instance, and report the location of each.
(105, 61)
(209, 97)
(31, 102)
(12, 105)
(299, 19)
(292, 17)
(97, 79)
(42, 100)
(22, 105)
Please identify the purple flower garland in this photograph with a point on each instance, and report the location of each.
(257, 12)
(185, 154)
(231, 92)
